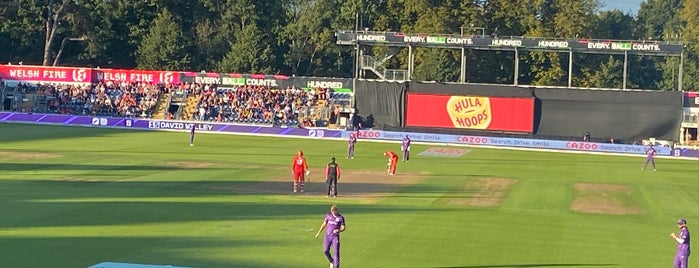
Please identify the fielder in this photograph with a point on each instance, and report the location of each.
(336, 224)
(191, 135)
(650, 152)
(406, 148)
(683, 249)
(350, 146)
(299, 169)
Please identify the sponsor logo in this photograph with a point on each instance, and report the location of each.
(506, 43)
(459, 41)
(166, 78)
(207, 80)
(472, 139)
(414, 39)
(323, 84)
(369, 134)
(553, 44)
(581, 145)
(436, 39)
(470, 112)
(371, 37)
(79, 75)
(316, 133)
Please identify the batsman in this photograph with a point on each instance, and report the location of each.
(392, 162)
(299, 169)
(332, 174)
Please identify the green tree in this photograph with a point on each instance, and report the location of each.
(308, 36)
(689, 17)
(613, 25)
(608, 75)
(165, 46)
(249, 54)
(48, 16)
(659, 19)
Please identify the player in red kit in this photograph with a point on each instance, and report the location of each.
(299, 169)
(392, 161)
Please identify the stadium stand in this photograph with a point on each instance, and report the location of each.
(289, 107)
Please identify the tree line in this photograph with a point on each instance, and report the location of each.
(296, 37)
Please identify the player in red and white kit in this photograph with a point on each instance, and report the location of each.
(392, 161)
(299, 169)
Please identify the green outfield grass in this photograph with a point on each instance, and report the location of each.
(74, 197)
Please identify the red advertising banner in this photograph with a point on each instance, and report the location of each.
(470, 112)
(45, 74)
(130, 76)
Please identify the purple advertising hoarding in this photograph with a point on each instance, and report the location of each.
(148, 124)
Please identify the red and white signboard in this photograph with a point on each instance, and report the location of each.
(131, 76)
(45, 74)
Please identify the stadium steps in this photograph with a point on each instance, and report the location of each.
(162, 106)
(190, 106)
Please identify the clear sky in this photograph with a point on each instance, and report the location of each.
(626, 6)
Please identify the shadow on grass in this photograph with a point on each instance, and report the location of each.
(531, 265)
(61, 166)
(165, 250)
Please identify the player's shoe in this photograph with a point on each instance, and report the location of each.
(653, 170)
(332, 266)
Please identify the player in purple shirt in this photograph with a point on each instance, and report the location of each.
(650, 153)
(683, 248)
(350, 146)
(406, 148)
(191, 135)
(335, 224)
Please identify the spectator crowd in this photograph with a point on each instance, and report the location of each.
(244, 104)
(111, 99)
(258, 104)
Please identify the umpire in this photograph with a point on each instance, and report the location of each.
(332, 174)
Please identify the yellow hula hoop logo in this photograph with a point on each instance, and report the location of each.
(469, 112)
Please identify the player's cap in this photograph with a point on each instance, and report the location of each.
(682, 221)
